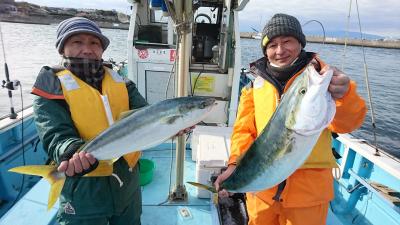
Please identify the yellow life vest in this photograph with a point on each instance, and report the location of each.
(266, 99)
(92, 111)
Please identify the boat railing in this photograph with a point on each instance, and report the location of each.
(365, 182)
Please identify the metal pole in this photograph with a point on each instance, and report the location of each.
(179, 10)
(184, 45)
(236, 74)
(130, 40)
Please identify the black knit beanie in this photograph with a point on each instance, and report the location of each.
(282, 25)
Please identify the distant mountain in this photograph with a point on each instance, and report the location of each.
(343, 34)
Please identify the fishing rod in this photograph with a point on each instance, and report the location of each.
(322, 26)
(367, 85)
(10, 85)
(13, 85)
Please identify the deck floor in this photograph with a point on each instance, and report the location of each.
(31, 209)
(155, 205)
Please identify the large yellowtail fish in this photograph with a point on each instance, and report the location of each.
(305, 110)
(138, 130)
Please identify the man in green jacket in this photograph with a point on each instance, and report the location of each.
(65, 116)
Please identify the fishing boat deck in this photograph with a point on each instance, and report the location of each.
(156, 209)
(31, 209)
(356, 196)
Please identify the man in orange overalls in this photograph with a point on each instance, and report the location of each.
(303, 198)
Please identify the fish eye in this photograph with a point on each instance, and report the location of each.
(302, 91)
(202, 105)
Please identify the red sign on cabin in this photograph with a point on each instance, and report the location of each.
(143, 53)
(172, 54)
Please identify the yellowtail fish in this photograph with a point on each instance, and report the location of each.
(134, 131)
(305, 110)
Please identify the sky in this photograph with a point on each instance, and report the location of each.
(378, 17)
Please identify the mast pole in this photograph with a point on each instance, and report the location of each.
(184, 16)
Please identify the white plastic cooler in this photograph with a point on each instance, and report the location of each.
(210, 150)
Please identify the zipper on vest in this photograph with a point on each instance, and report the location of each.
(107, 109)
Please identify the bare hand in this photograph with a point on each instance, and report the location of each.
(339, 84)
(221, 178)
(77, 163)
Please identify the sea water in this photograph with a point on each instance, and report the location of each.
(29, 47)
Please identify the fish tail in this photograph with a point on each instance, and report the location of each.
(203, 186)
(47, 172)
(37, 170)
(55, 192)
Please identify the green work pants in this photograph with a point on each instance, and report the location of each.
(130, 216)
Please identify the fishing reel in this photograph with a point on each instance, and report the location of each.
(11, 85)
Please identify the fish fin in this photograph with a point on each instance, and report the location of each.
(125, 114)
(55, 192)
(37, 170)
(105, 168)
(203, 186)
(113, 161)
(171, 119)
(132, 158)
(128, 113)
(45, 171)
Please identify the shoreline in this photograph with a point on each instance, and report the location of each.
(42, 20)
(341, 41)
(355, 42)
(246, 35)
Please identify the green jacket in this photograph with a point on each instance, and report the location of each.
(81, 197)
